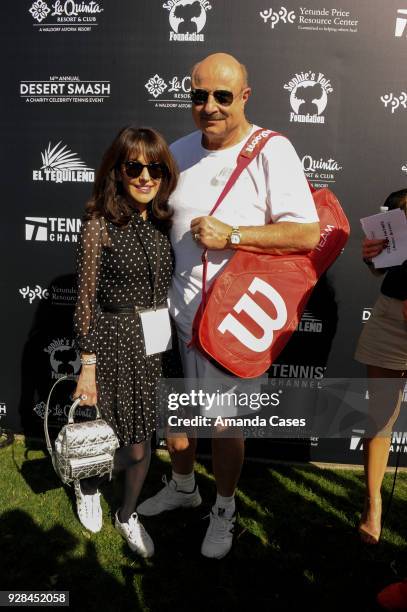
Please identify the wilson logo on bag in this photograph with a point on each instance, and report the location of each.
(255, 304)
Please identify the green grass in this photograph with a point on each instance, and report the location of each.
(296, 546)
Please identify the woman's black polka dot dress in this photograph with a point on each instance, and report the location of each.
(121, 273)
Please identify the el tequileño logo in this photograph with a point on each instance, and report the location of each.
(308, 96)
(61, 165)
(187, 19)
(65, 16)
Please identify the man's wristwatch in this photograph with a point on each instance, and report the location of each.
(235, 235)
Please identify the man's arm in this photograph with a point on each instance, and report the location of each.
(274, 238)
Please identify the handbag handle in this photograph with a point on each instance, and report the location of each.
(71, 410)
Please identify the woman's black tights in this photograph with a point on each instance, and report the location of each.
(135, 461)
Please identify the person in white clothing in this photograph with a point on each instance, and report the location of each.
(269, 209)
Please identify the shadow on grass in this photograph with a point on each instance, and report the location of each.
(295, 547)
(34, 559)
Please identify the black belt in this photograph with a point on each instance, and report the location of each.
(126, 309)
(117, 309)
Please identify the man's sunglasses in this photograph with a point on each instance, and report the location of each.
(221, 96)
(133, 169)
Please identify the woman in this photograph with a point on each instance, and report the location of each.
(382, 347)
(124, 264)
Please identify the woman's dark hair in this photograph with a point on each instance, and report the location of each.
(107, 198)
(397, 199)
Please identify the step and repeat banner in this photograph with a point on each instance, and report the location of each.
(330, 74)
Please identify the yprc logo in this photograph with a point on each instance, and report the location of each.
(276, 17)
(169, 93)
(321, 172)
(401, 23)
(309, 323)
(32, 294)
(65, 16)
(65, 89)
(63, 357)
(308, 96)
(52, 229)
(394, 102)
(187, 19)
(61, 165)
(311, 19)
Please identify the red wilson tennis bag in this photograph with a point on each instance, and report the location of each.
(255, 304)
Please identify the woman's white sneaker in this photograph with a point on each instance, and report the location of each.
(135, 535)
(88, 508)
(169, 498)
(219, 535)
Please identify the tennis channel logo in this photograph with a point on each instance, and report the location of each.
(308, 96)
(169, 93)
(65, 16)
(187, 19)
(64, 89)
(401, 23)
(52, 229)
(61, 165)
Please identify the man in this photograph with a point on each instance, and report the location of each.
(269, 209)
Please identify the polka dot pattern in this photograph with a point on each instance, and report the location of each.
(121, 272)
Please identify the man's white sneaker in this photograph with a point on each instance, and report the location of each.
(219, 535)
(169, 498)
(136, 535)
(88, 508)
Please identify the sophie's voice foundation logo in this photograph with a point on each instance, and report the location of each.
(308, 96)
(187, 19)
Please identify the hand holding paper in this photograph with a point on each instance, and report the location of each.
(391, 225)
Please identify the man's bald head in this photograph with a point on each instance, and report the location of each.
(221, 65)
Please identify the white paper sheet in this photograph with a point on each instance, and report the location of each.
(157, 330)
(393, 226)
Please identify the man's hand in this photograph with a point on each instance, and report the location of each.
(210, 232)
(87, 386)
(371, 248)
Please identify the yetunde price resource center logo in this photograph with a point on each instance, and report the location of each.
(187, 19)
(170, 93)
(65, 16)
(319, 19)
(65, 89)
(61, 165)
(308, 96)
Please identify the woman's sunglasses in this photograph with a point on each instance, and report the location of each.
(133, 169)
(221, 96)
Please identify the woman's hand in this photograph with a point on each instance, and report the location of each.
(86, 386)
(371, 248)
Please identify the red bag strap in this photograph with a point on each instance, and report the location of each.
(250, 151)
